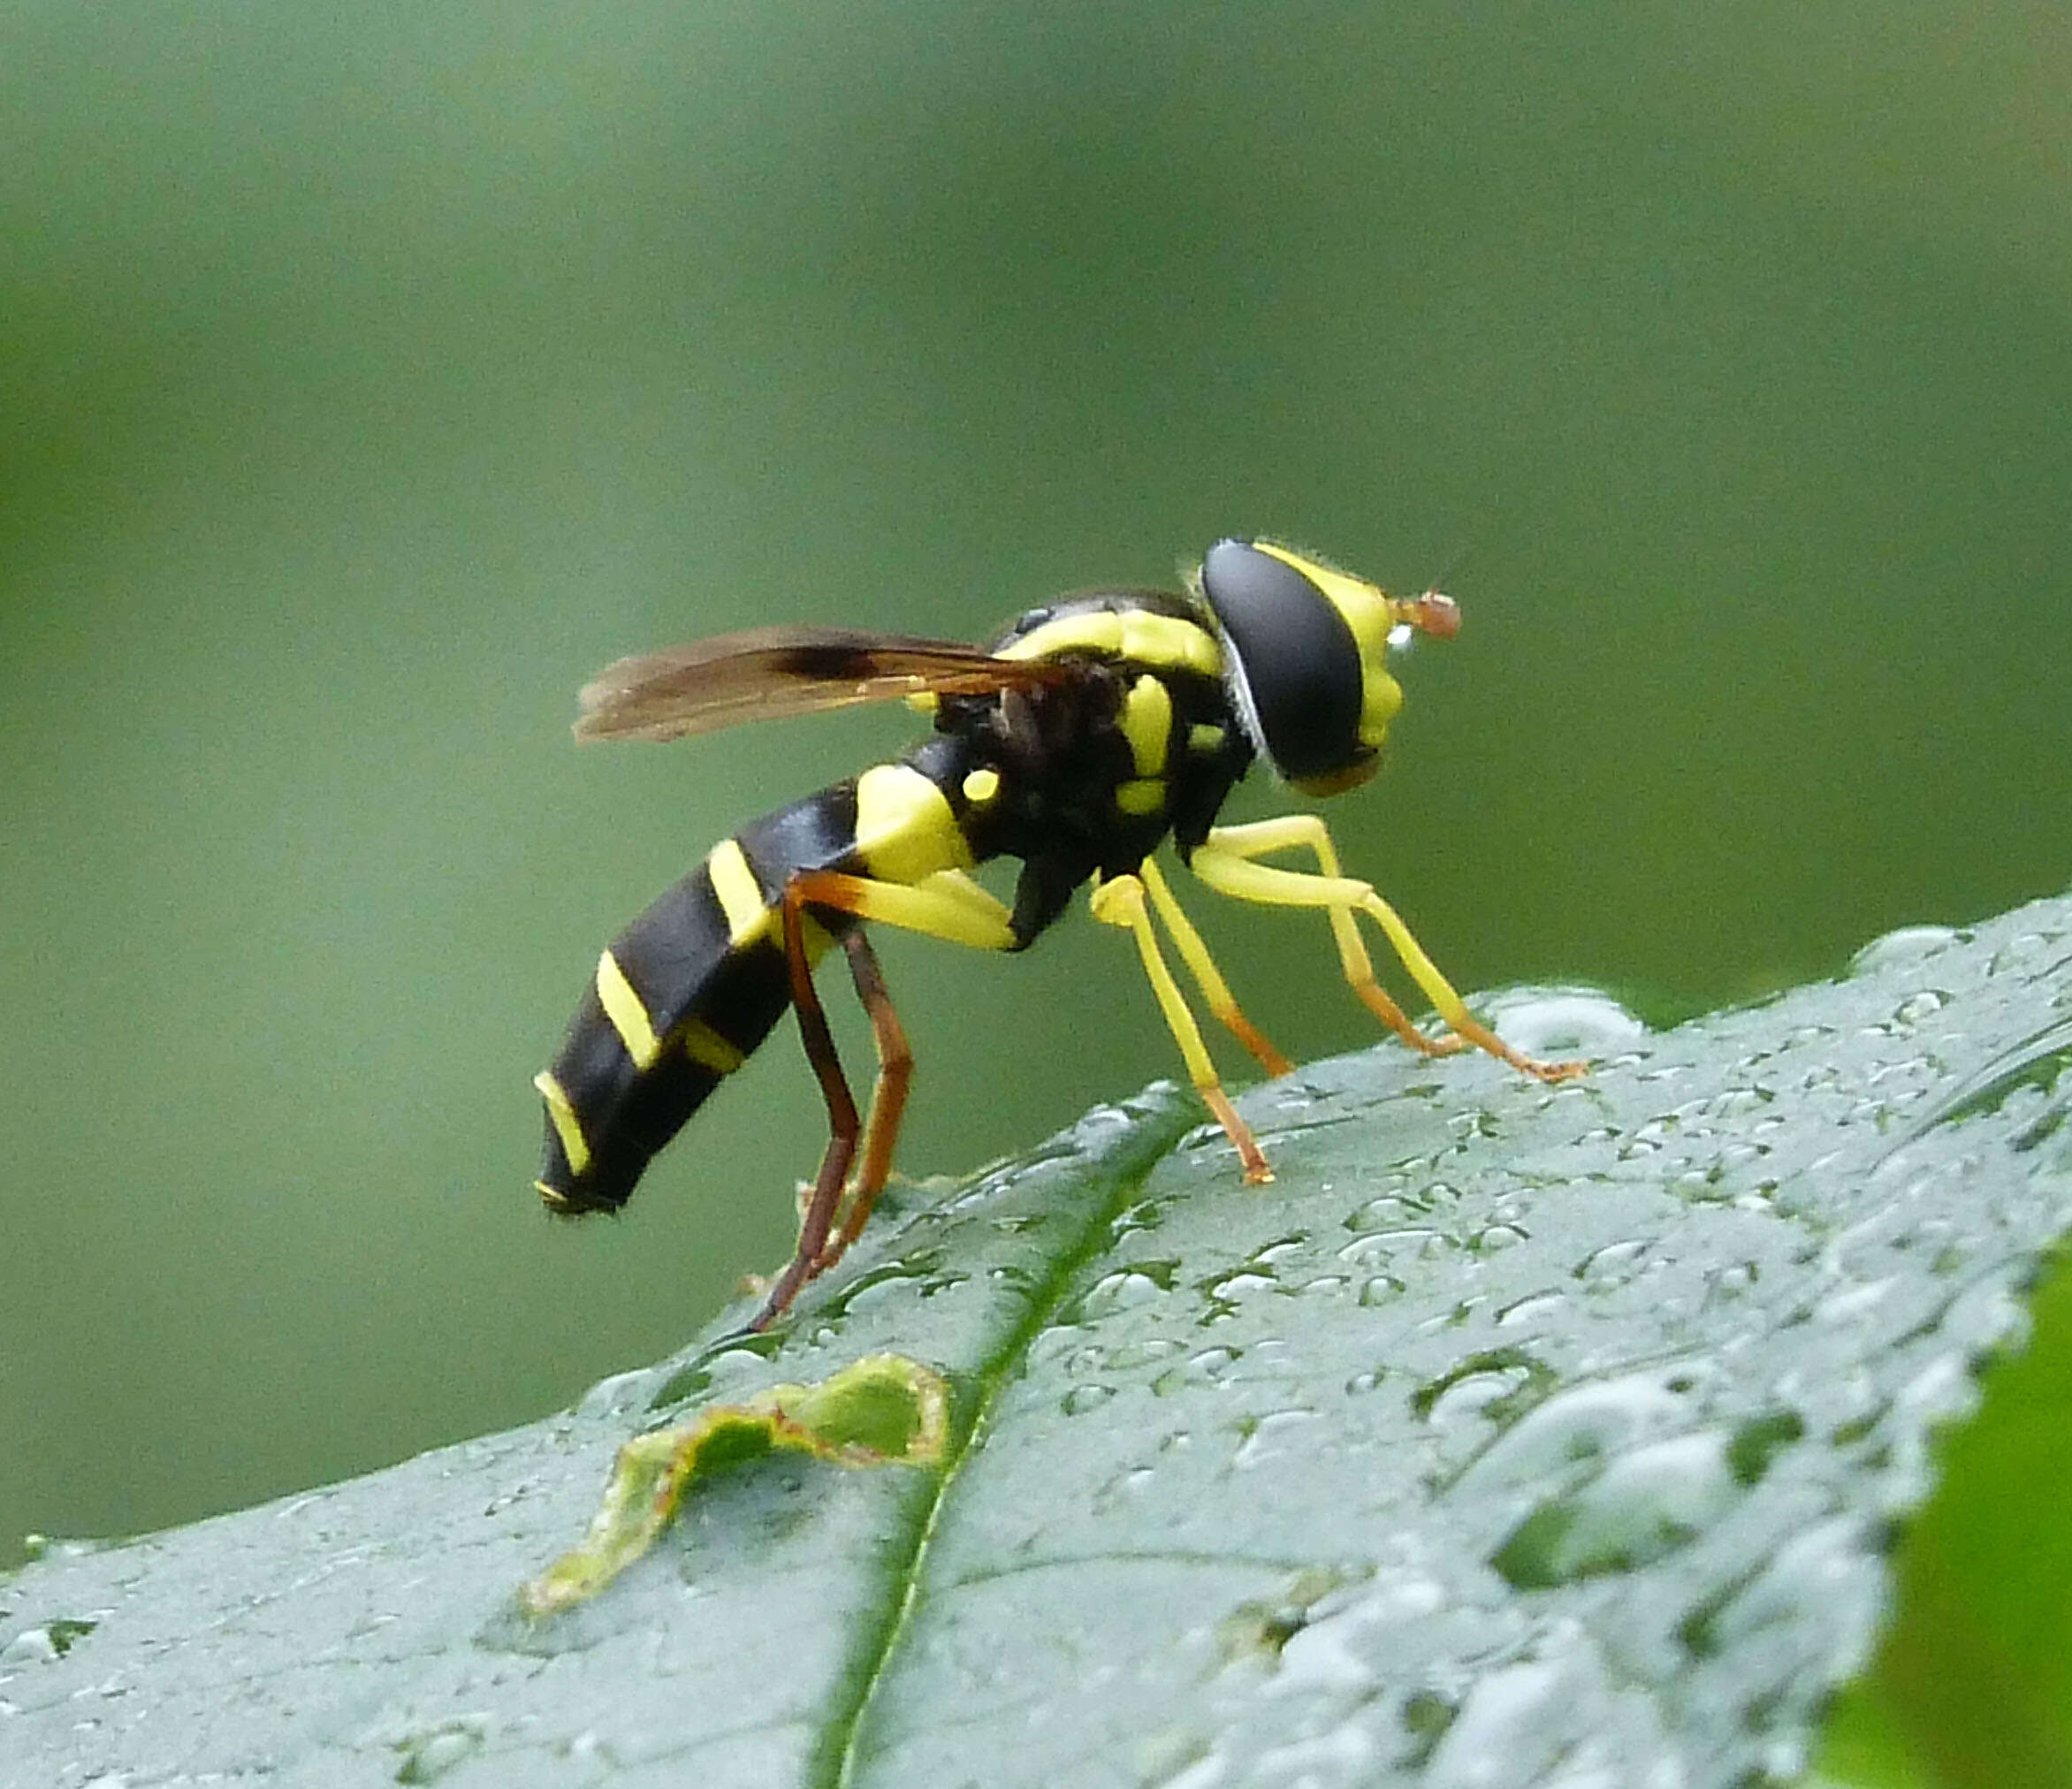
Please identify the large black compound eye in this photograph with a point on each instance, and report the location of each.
(1295, 663)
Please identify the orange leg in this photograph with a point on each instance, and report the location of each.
(843, 1126)
(896, 1075)
(822, 1241)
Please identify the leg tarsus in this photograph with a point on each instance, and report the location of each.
(1227, 861)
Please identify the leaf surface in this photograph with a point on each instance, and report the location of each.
(1514, 1436)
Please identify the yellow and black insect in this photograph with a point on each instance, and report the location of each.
(1077, 742)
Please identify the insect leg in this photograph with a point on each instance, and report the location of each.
(1225, 861)
(1215, 990)
(1294, 832)
(1119, 900)
(843, 1127)
(947, 905)
(895, 1074)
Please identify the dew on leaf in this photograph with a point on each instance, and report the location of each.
(1641, 1506)
(1909, 944)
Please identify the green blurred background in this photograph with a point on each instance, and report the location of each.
(370, 375)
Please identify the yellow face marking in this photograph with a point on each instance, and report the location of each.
(1366, 610)
(981, 786)
(1205, 739)
(1141, 795)
(567, 1127)
(627, 1012)
(904, 827)
(1144, 638)
(1147, 724)
(707, 1049)
(749, 918)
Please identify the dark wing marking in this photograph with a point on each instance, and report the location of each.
(767, 672)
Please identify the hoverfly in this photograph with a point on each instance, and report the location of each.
(1077, 742)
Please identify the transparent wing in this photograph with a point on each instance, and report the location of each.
(766, 672)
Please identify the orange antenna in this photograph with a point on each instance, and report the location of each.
(1433, 615)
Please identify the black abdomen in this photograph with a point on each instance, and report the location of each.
(683, 996)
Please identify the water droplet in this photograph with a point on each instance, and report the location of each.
(47, 1643)
(609, 1395)
(1908, 945)
(1724, 1284)
(1082, 1398)
(1238, 1282)
(1492, 1237)
(1126, 1288)
(1510, 1728)
(875, 1285)
(1270, 1437)
(1384, 1211)
(1615, 1264)
(1853, 1302)
(1282, 1249)
(1406, 1243)
(2020, 952)
(1382, 1289)
(1500, 1384)
(1563, 1022)
(1263, 1628)
(1828, 1581)
(1916, 1007)
(1584, 1422)
(1146, 1215)
(1533, 1308)
(1641, 1506)
(1738, 1102)
(429, 1756)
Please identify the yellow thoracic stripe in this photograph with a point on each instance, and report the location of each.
(1140, 636)
(1147, 724)
(904, 827)
(1143, 795)
(567, 1127)
(741, 895)
(1204, 737)
(981, 786)
(627, 1012)
(707, 1049)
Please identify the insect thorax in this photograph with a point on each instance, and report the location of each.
(1092, 773)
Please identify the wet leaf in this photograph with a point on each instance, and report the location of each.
(1514, 1436)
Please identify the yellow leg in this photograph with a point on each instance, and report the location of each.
(1225, 861)
(949, 905)
(1294, 832)
(1207, 978)
(1119, 900)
